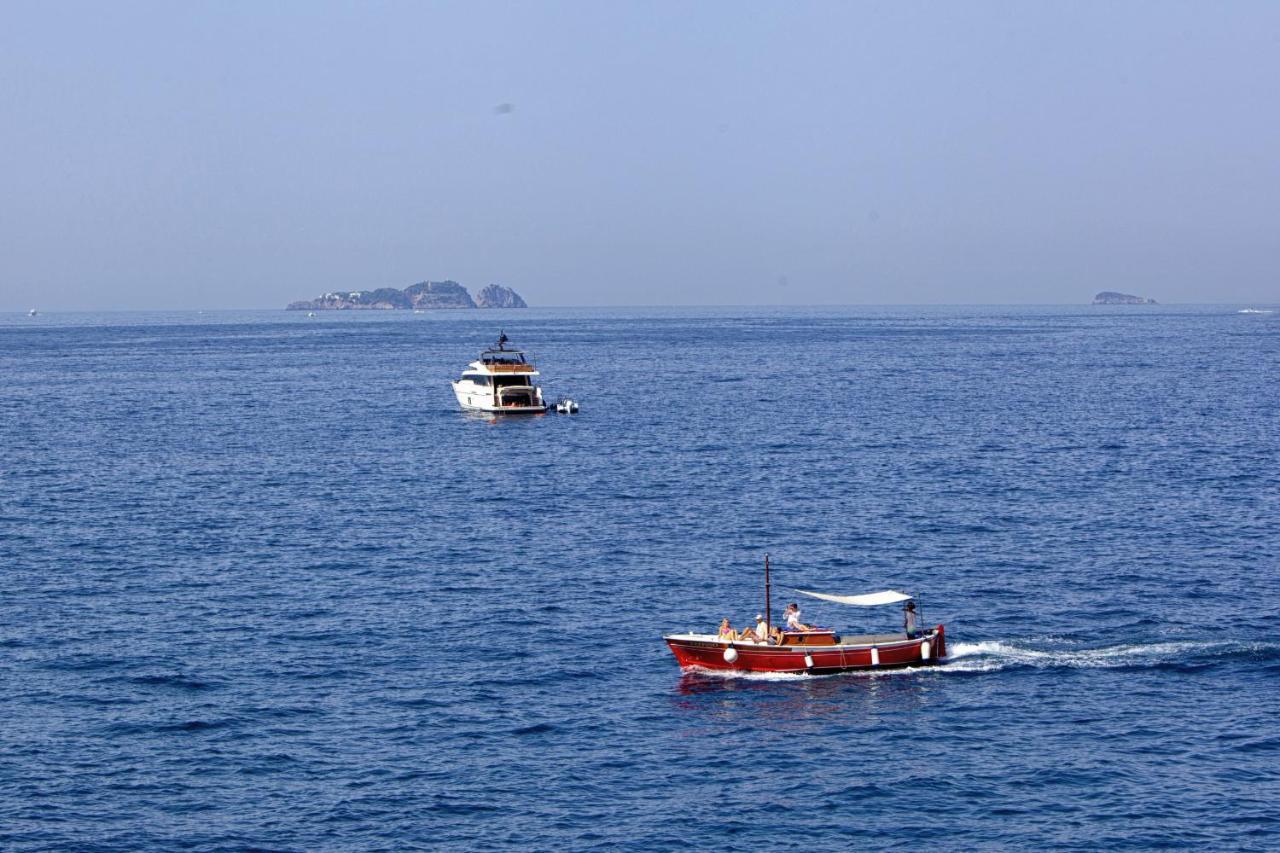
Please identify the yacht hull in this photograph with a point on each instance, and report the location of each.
(473, 402)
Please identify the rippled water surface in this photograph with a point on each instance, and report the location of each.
(264, 585)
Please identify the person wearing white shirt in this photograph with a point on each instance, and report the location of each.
(757, 634)
(792, 617)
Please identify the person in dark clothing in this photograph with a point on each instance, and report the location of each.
(909, 620)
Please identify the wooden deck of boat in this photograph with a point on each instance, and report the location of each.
(870, 639)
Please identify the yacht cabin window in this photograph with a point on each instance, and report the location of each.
(503, 358)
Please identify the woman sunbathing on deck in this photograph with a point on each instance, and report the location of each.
(726, 631)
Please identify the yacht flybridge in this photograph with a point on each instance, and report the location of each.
(500, 380)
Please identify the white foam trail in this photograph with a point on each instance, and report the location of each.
(995, 654)
(753, 676)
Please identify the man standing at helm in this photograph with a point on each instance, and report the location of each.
(909, 620)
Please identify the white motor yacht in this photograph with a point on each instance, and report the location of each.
(500, 380)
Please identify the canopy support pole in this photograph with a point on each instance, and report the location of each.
(768, 616)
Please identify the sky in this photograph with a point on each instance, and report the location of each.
(209, 155)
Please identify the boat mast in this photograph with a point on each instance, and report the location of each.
(768, 617)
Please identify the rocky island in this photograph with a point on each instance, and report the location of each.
(497, 296)
(1110, 297)
(423, 295)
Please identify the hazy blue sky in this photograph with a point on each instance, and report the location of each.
(240, 155)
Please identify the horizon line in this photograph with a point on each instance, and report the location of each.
(631, 307)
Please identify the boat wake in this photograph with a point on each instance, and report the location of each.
(740, 675)
(995, 655)
(998, 655)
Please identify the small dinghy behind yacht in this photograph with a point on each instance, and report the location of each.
(500, 381)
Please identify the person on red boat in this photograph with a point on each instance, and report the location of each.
(909, 620)
(726, 630)
(792, 617)
(758, 634)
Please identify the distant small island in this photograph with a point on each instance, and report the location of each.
(1110, 297)
(423, 295)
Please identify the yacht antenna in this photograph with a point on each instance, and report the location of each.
(502, 339)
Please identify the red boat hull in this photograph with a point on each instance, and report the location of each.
(709, 653)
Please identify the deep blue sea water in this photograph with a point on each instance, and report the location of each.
(265, 587)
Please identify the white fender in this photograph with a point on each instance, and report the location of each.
(808, 661)
(925, 650)
(875, 656)
(730, 655)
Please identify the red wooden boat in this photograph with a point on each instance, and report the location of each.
(819, 651)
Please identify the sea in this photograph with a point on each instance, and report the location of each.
(265, 586)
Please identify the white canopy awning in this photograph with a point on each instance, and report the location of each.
(871, 599)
